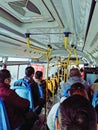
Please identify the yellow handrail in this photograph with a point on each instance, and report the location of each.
(31, 46)
(48, 53)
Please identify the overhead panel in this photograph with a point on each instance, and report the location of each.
(91, 44)
(28, 11)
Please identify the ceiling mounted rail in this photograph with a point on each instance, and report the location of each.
(31, 46)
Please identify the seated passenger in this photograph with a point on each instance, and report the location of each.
(75, 89)
(76, 113)
(37, 101)
(74, 76)
(78, 88)
(17, 108)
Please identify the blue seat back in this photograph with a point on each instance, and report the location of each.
(22, 88)
(66, 91)
(4, 122)
(95, 99)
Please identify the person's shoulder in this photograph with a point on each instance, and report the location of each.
(10, 92)
(55, 106)
(43, 82)
(33, 83)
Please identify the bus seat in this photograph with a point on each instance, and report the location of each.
(21, 82)
(95, 99)
(4, 122)
(66, 91)
(24, 92)
(23, 89)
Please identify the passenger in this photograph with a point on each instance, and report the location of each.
(78, 88)
(17, 107)
(76, 113)
(29, 74)
(55, 84)
(62, 82)
(74, 77)
(75, 89)
(50, 87)
(82, 72)
(41, 82)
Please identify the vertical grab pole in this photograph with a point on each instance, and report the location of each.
(47, 56)
(77, 59)
(66, 47)
(28, 39)
(18, 72)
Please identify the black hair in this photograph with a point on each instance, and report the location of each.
(29, 71)
(4, 74)
(38, 74)
(76, 86)
(75, 72)
(81, 70)
(77, 113)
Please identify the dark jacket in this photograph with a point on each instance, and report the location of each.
(43, 84)
(35, 91)
(15, 105)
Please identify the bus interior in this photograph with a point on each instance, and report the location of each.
(50, 35)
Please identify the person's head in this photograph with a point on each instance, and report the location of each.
(74, 72)
(29, 71)
(78, 88)
(76, 113)
(81, 70)
(39, 75)
(5, 76)
(56, 73)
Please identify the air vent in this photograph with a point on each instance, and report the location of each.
(19, 6)
(30, 6)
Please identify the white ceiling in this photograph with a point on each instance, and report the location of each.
(46, 21)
